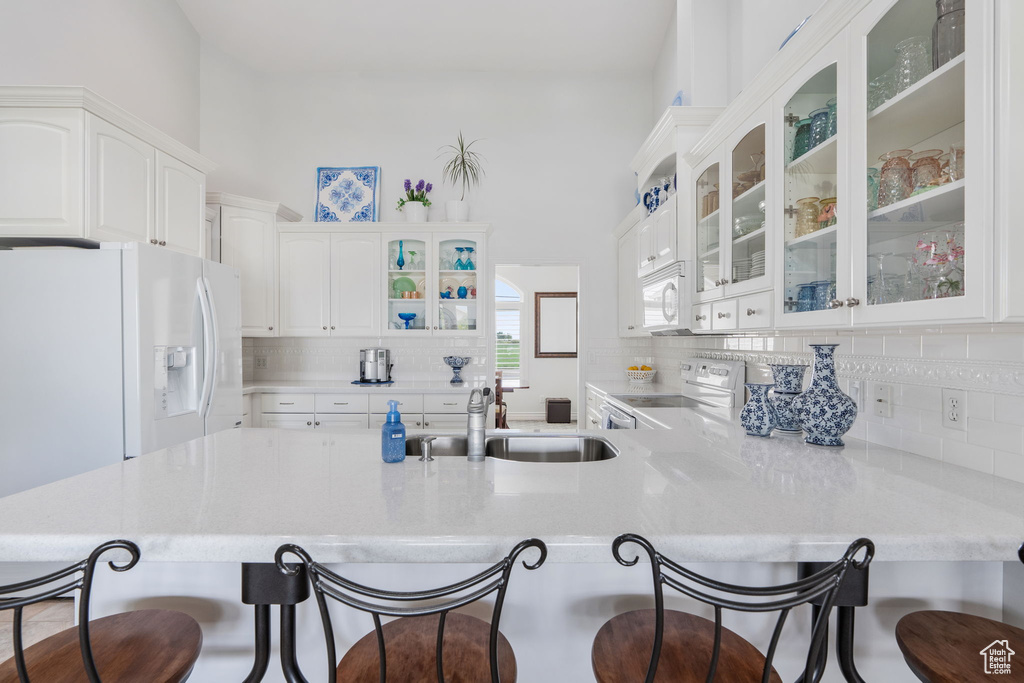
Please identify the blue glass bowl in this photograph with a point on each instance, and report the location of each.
(407, 317)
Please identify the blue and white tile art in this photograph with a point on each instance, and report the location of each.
(347, 194)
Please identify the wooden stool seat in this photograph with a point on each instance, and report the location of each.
(946, 646)
(622, 651)
(410, 644)
(147, 645)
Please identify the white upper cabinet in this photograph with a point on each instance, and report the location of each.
(122, 174)
(305, 289)
(708, 274)
(41, 176)
(656, 239)
(76, 166)
(630, 300)
(355, 300)
(181, 206)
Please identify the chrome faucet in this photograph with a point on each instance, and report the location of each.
(479, 401)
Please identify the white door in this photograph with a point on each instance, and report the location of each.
(305, 284)
(180, 205)
(122, 185)
(224, 409)
(248, 242)
(163, 315)
(354, 295)
(645, 255)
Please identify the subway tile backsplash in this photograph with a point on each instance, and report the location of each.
(987, 361)
(338, 358)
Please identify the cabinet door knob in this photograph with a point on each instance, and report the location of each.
(271, 327)
(751, 311)
(325, 327)
(332, 327)
(162, 243)
(318, 423)
(836, 303)
(426, 424)
(308, 423)
(153, 242)
(593, 421)
(851, 302)
(435, 327)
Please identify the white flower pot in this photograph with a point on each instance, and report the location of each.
(456, 211)
(415, 212)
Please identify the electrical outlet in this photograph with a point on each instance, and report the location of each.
(882, 400)
(954, 409)
(261, 362)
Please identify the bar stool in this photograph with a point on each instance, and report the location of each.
(952, 646)
(690, 648)
(428, 643)
(145, 645)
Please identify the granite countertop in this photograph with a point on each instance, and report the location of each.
(297, 386)
(715, 495)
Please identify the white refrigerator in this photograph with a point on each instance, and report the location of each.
(111, 353)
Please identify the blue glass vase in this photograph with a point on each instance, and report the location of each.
(758, 415)
(824, 411)
(400, 261)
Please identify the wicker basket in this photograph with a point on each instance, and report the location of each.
(641, 376)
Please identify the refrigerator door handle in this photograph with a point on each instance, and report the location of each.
(215, 354)
(208, 352)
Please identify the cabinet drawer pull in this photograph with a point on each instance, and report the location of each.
(751, 311)
(723, 315)
(282, 403)
(449, 404)
(341, 404)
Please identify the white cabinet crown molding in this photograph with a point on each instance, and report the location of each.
(77, 97)
(661, 144)
(824, 24)
(396, 226)
(280, 210)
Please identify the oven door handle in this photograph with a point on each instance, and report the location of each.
(619, 422)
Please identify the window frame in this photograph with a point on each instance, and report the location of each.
(521, 307)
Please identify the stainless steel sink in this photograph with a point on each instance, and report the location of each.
(522, 447)
(549, 448)
(442, 445)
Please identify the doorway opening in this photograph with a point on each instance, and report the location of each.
(536, 346)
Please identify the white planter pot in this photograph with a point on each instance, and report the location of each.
(415, 212)
(456, 211)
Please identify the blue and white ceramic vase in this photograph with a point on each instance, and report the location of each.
(758, 415)
(789, 382)
(824, 411)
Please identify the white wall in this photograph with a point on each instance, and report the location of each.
(665, 76)
(756, 29)
(142, 56)
(548, 377)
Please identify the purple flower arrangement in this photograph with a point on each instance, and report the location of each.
(416, 194)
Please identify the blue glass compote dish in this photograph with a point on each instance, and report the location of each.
(407, 318)
(456, 363)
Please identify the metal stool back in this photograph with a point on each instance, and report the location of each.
(327, 584)
(76, 577)
(823, 585)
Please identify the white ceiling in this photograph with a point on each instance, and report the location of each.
(294, 36)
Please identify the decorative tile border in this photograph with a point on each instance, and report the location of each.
(996, 378)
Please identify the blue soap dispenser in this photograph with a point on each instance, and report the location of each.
(392, 436)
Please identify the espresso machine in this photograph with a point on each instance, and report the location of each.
(374, 366)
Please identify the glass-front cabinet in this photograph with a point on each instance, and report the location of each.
(924, 226)
(747, 229)
(813, 222)
(708, 262)
(432, 285)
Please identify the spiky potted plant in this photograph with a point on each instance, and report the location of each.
(463, 167)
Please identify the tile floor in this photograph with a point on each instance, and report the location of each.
(39, 621)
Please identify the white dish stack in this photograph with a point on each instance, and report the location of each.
(757, 264)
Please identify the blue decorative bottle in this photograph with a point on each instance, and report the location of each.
(758, 415)
(824, 411)
(392, 436)
(401, 257)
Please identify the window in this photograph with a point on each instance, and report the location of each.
(508, 325)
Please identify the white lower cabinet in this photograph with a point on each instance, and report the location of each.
(593, 419)
(701, 318)
(340, 423)
(723, 315)
(288, 420)
(445, 421)
(247, 411)
(410, 420)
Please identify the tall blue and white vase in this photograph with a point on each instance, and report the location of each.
(824, 411)
(758, 415)
(789, 382)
